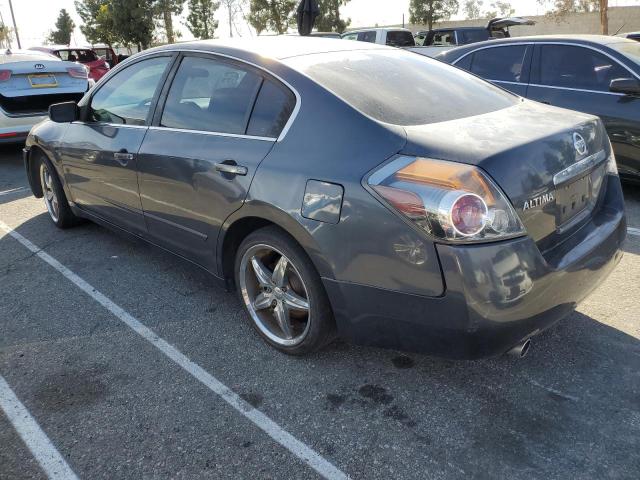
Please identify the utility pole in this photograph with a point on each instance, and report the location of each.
(15, 27)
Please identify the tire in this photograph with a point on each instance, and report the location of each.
(275, 298)
(53, 194)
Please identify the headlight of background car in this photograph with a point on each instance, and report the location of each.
(450, 201)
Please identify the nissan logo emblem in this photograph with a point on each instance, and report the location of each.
(39, 66)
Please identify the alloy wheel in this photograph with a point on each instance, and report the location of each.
(275, 295)
(48, 192)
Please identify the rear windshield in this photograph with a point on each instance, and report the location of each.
(402, 88)
(629, 49)
(400, 39)
(77, 55)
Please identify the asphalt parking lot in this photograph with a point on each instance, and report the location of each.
(133, 364)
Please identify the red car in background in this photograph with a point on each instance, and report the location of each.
(86, 56)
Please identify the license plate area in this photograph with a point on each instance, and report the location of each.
(573, 198)
(43, 80)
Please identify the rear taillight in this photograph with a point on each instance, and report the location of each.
(5, 75)
(450, 201)
(78, 72)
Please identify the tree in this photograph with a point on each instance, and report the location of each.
(201, 22)
(234, 8)
(64, 28)
(500, 9)
(428, 12)
(275, 15)
(133, 21)
(560, 8)
(329, 19)
(472, 9)
(97, 18)
(165, 9)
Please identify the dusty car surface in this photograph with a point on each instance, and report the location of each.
(454, 218)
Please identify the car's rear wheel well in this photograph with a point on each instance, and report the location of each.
(234, 236)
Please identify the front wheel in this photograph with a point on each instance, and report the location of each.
(54, 198)
(282, 293)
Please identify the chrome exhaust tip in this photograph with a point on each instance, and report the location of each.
(520, 350)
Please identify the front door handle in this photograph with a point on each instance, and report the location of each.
(232, 169)
(123, 157)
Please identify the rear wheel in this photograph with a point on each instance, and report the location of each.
(282, 292)
(54, 198)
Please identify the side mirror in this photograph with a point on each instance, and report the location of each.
(628, 86)
(64, 112)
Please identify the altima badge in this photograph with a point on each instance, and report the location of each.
(580, 144)
(538, 201)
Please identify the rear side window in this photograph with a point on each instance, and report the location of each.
(443, 38)
(400, 39)
(577, 67)
(350, 36)
(473, 36)
(126, 97)
(369, 37)
(375, 82)
(272, 110)
(500, 63)
(210, 95)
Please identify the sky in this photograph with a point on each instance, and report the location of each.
(35, 18)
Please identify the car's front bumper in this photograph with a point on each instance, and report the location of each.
(497, 294)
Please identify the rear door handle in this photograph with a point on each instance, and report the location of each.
(123, 157)
(231, 169)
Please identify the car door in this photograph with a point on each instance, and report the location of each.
(505, 65)
(99, 151)
(578, 77)
(218, 119)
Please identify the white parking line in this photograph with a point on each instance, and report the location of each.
(13, 190)
(305, 453)
(32, 435)
(633, 231)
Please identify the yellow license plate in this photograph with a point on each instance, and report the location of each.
(43, 80)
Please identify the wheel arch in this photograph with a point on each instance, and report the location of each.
(252, 217)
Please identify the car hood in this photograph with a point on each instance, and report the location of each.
(522, 148)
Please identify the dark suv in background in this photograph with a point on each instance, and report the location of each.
(589, 73)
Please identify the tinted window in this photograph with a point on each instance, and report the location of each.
(375, 82)
(210, 95)
(499, 63)
(273, 108)
(367, 37)
(400, 39)
(465, 62)
(473, 36)
(578, 67)
(126, 97)
(83, 56)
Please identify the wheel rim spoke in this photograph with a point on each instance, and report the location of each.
(295, 302)
(280, 272)
(262, 274)
(281, 312)
(262, 301)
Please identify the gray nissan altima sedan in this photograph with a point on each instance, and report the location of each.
(344, 189)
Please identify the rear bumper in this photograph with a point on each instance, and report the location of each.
(497, 294)
(15, 128)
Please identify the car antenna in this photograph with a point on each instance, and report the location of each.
(618, 31)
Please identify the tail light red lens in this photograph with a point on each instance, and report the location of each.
(78, 72)
(450, 201)
(5, 75)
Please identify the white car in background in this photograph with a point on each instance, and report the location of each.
(30, 81)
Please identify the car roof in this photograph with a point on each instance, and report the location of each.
(585, 39)
(274, 47)
(56, 48)
(11, 55)
(381, 29)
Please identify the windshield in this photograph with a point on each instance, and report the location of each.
(402, 88)
(630, 49)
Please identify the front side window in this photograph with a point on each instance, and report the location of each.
(500, 63)
(126, 97)
(578, 67)
(400, 39)
(369, 37)
(211, 95)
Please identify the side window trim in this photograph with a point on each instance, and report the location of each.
(264, 76)
(86, 108)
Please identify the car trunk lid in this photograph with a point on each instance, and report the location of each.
(550, 162)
